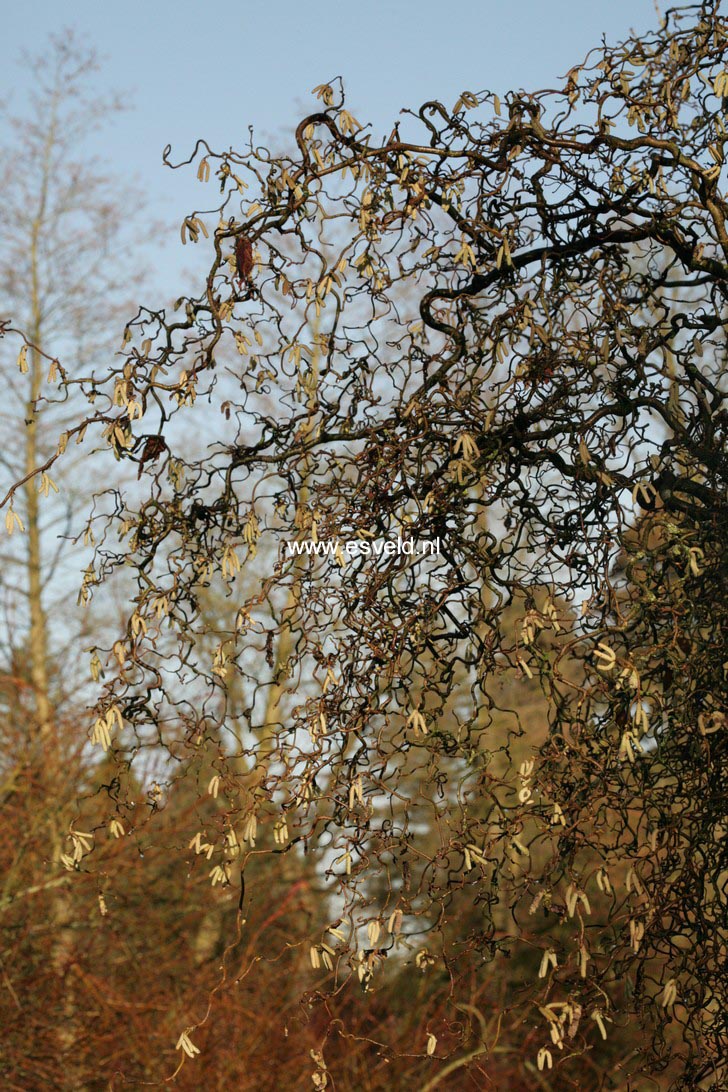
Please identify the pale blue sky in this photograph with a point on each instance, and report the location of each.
(209, 70)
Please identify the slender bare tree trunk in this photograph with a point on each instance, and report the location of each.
(38, 622)
(45, 742)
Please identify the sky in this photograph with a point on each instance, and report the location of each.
(188, 70)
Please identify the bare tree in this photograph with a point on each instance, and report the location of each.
(65, 272)
(65, 267)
